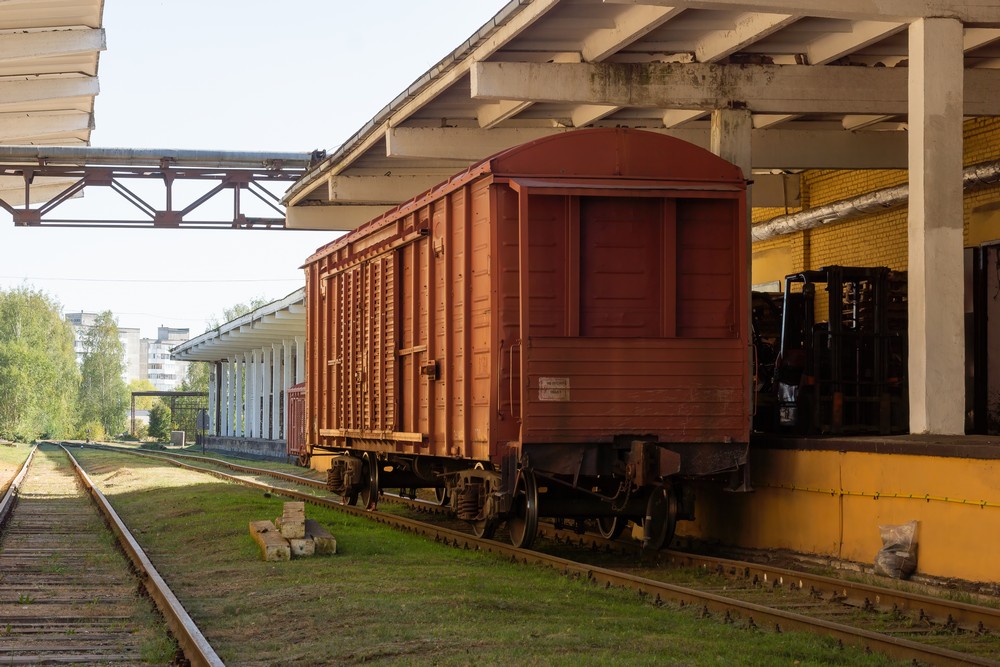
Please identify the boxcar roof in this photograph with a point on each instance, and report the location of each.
(599, 157)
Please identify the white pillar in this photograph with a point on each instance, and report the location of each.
(225, 423)
(287, 369)
(936, 265)
(253, 405)
(276, 391)
(300, 359)
(238, 399)
(265, 416)
(213, 393)
(231, 399)
(261, 393)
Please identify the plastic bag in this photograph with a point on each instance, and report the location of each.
(898, 556)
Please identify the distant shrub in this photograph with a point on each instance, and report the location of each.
(92, 430)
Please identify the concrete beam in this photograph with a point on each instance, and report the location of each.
(772, 149)
(46, 43)
(14, 91)
(379, 190)
(967, 11)
(337, 218)
(789, 89)
(630, 24)
(24, 127)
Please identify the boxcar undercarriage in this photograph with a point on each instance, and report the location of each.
(635, 480)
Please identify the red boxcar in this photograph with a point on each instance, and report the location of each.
(560, 330)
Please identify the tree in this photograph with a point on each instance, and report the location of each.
(103, 394)
(197, 378)
(238, 310)
(159, 421)
(141, 384)
(38, 373)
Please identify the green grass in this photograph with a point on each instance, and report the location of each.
(393, 598)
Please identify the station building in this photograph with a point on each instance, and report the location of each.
(255, 360)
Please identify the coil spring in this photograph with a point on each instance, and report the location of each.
(335, 478)
(468, 503)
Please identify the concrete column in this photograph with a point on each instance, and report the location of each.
(265, 408)
(300, 359)
(238, 399)
(286, 383)
(225, 421)
(276, 391)
(262, 398)
(936, 266)
(730, 139)
(253, 403)
(230, 397)
(213, 392)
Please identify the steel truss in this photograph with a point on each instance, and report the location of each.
(237, 173)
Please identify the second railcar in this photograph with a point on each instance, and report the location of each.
(560, 330)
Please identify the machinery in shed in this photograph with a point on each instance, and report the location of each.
(561, 330)
(837, 363)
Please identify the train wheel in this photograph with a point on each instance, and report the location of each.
(661, 519)
(303, 459)
(523, 520)
(367, 497)
(485, 529)
(611, 527)
(441, 495)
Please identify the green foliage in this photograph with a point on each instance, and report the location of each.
(103, 393)
(141, 384)
(159, 421)
(92, 430)
(38, 373)
(197, 377)
(238, 310)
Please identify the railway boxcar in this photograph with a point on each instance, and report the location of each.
(560, 330)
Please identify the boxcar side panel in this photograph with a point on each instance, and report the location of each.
(481, 320)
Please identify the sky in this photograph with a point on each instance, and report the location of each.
(239, 75)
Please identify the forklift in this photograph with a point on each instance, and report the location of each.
(838, 364)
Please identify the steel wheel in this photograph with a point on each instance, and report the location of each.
(523, 520)
(484, 529)
(303, 459)
(661, 519)
(367, 497)
(611, 527)
(441, 495)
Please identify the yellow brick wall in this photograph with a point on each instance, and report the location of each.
(879, 239)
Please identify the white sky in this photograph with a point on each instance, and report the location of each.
(246, 75)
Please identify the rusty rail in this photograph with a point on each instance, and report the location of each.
(196, 648)
(10, 492)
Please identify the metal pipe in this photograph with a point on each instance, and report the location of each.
(153, 157)
(976, 176)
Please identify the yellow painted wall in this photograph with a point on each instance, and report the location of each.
(878, 239)
(812, 502)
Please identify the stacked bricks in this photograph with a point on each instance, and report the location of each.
(292, 535)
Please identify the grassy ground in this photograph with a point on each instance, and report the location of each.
(11, 458)
(394, 598)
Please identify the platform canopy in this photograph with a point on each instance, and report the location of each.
(49, 52)
(272, 323)
(825, 82)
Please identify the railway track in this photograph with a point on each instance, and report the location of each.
(67, 595)
(753, 595)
